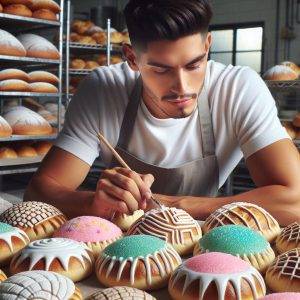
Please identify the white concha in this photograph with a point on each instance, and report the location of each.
(38, 285)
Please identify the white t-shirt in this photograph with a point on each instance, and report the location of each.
(243, 112)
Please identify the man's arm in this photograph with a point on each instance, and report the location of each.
(275, 170)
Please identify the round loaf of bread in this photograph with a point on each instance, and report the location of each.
(116, 37)
(44, 14)
(24, 121)
(13, 74)
(6, 152)
(26, 151)
(125, 221)
(43, 76)
(37, 46)
(102, 60)
(12, 240)
(289, 238)
(45, 4)
(90, 65)
(39, 220)
(14, 85)
(120, 293)
(9, 45)
(5, 129)
(292, 65)
(42, 87)
(77, 64)
(280, 73)
(100, 37)
(42, 148)
(94, 29)
(39, 285)
(18, 9)
(172, 225)
(81, 27)
(64, 256)
(86, 40)
(246, 214)
(9, 2)
(2, 276)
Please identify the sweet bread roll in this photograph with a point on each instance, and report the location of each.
(296, 121)
(9, 2)
(77, 64)
(102, 60)
(9, 45)
(45, 4)
(282, 296)
(24, 121)
(90, 65)
(100, 37)
(216, 276)
(74, 37)
(124, 221)
(42, 87)
(81, 27)
(175, 226)
(2, 276)
(93, 29)
(44, 14)
(239, 241)
(283, 275)
(13, 74)
(291, 65)
(141, 261)
(64, 256)
(290, 129)
(116, 37)
(14, 85)
(12, 240)
(6, 152)
(86, 40)
(39, 285)
(39, 220)
(43, 76)
(37, 46)
(95, 232)
(119, 293)
(5, 129)
(26, 151)
(18, 9)
(289, 238)
(280, 73)
(247, 214)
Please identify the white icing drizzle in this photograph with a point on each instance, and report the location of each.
(15, 232)
(290, 233)
(167, 255)
(168, 223)
(35, 42)
(51, 249)
(37, 285)
(224, 214)
(287, 265)
(221, 281)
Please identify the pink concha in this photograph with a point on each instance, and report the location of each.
(89, 229)
(282, 296)
(217, 263)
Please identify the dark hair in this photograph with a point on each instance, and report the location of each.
(154, 20)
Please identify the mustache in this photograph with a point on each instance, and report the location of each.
(173, 97)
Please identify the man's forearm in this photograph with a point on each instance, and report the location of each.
(281, 202)
(71, 203)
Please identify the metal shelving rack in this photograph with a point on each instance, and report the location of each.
(17, 24)
(240, 179)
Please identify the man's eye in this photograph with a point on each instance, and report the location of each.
(160, 70)
(194, 67)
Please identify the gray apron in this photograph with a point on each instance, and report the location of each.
(199, 177)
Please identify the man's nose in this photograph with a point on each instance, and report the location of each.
(181, 83)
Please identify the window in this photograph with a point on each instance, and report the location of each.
(238, 45)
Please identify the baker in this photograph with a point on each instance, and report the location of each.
(181, 122)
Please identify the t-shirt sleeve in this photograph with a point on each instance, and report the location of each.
(79, 133)
(256, 123)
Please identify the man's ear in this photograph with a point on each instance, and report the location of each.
(130, 55)
(208, 41)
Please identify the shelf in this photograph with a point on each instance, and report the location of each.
(79, 72)
(78, 48)
(27, 94)
(293, 84)
(14, 138)
(19, 23)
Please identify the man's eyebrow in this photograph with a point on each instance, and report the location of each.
(160, 65)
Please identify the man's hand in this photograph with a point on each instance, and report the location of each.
(122, 190)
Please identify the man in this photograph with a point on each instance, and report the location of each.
(180, 122)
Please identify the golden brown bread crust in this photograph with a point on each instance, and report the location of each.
(42, 148)
(42, 76)
(15, 85)
(18, 9)
(2, 276)
(44, 14)
(77, 64)
(26, 151)
(13, 74)
(289, 238)
(42, 87)
(45, 4)
(5, 129)
(90, 65)
(100, 38)
(6, 152)
(77, 295)
(9, 2)
(116, 37)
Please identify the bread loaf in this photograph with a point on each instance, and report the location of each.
(90, 65)
(9, 45)
(42, 148)
(18, 9)
(77, 64)
(292, 65)
(100, 38)
(42, 87)
(6, 152)
(280, 73)
(45, 4)
(13, 74)
(44, 14)
(26, 151)
(5, 129)
(9, 2)
(37, 46)
(43, 76)
(14, 85)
